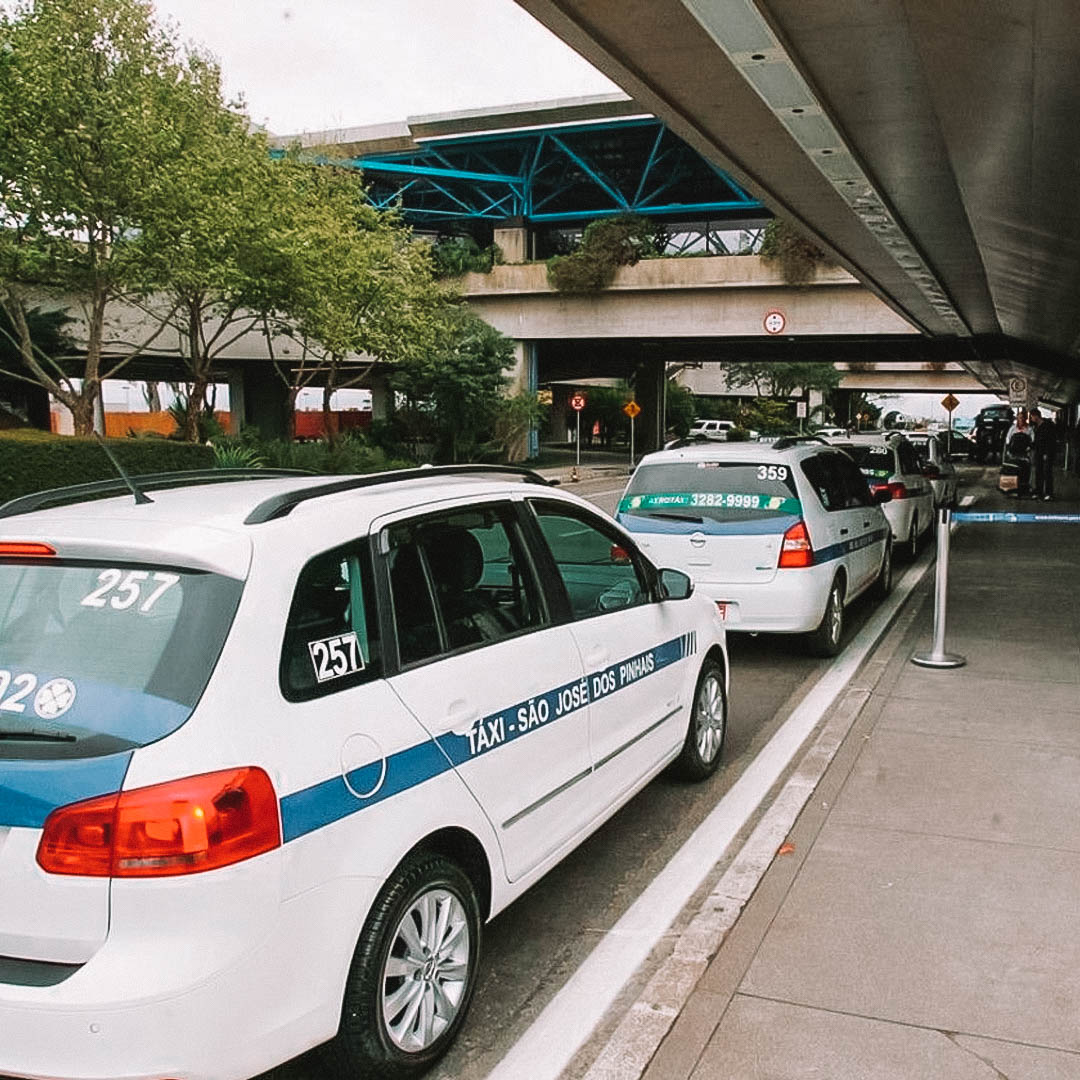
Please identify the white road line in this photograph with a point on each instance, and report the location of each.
(568, 1020)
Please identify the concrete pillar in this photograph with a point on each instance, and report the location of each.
(523, 380)
(382, 398)
(512, 239)
(236, 401)
(650, 392)
(265, 404)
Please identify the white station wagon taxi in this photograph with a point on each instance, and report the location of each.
(272, 751)
(781, 536)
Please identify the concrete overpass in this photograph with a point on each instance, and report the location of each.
(929, 145)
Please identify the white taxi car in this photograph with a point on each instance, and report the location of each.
(890, 462)
(272, 751)
(781, 536)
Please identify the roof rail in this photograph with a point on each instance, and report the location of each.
(278, 506)
(75, 493)
(786, 442)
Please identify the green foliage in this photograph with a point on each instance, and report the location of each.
(606, 245)
(35, 460)
(453, 256)
(349, 455)
(799, 258)
(515, 416)
(681, 410)
(205, 427)
(780, 379)
(232, 455)
(102, 117)
(454, 392)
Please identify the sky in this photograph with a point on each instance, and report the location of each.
(313, 65)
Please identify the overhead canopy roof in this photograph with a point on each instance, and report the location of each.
(931, 145)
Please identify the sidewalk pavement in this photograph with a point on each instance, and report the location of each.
(926, 924)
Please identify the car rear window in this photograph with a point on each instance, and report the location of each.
(876, 462)
(711, 496)
(98, 658)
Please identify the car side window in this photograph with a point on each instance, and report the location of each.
(826, 481)
(909, 460)
(332, 633)
(856, 489)
(598, 570)
(459, 580)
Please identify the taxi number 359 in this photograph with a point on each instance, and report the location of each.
(772, 472)
(336, 656)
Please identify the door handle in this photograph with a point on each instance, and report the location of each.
(866, 524)
(843, 532)
(461, 717)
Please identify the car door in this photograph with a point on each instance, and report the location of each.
(869, 529)
(632, 645)
(835, 534)
(487, 671)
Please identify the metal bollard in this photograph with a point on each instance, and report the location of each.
(937, 657)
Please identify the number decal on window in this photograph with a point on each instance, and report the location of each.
(336, 656)
(25, 686)
(772, 472)
(129, 589)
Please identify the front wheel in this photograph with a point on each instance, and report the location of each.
(700, 754)
(412, 975)
(825, 640)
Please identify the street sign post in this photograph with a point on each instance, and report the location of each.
(631, 408)
(1018, 392)
(577, 403)
(948, 403)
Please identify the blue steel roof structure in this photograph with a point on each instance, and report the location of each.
(559, 174)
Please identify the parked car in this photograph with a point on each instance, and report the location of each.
(713, 429)
(891, 463)
(782, 536)
(938, 469)
(273, 749)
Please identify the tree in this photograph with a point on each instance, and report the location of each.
(458, 387)
(780, 379)
(211, 244)
(680, 408)
(95, 110)
(358, 287)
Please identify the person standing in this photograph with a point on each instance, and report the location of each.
(1045, 451)
(1016, 456)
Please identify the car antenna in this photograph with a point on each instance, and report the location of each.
(140, 496)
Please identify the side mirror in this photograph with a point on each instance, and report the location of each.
(675, 585)
(882, 495)
(931, 471)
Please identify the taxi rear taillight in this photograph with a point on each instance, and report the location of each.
(25, 549)
(796, 550)
(897, 489)
(181, 827)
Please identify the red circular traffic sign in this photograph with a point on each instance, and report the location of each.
(577, 401)
(774, 322)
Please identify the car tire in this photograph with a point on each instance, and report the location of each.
(825, 640)
(406, 994)
(911, 544)
(700, 754)
(883, 583)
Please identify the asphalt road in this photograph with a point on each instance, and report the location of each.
(533, 947)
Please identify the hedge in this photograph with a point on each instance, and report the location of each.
(35, 460)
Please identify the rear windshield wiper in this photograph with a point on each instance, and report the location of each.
(675, 517)
(37, 736)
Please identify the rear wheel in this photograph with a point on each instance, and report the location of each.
(883, 582)
(708, 721)
(825, 640)
(412, 975)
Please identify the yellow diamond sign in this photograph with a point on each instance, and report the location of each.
(631, 408)
(949, 402)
